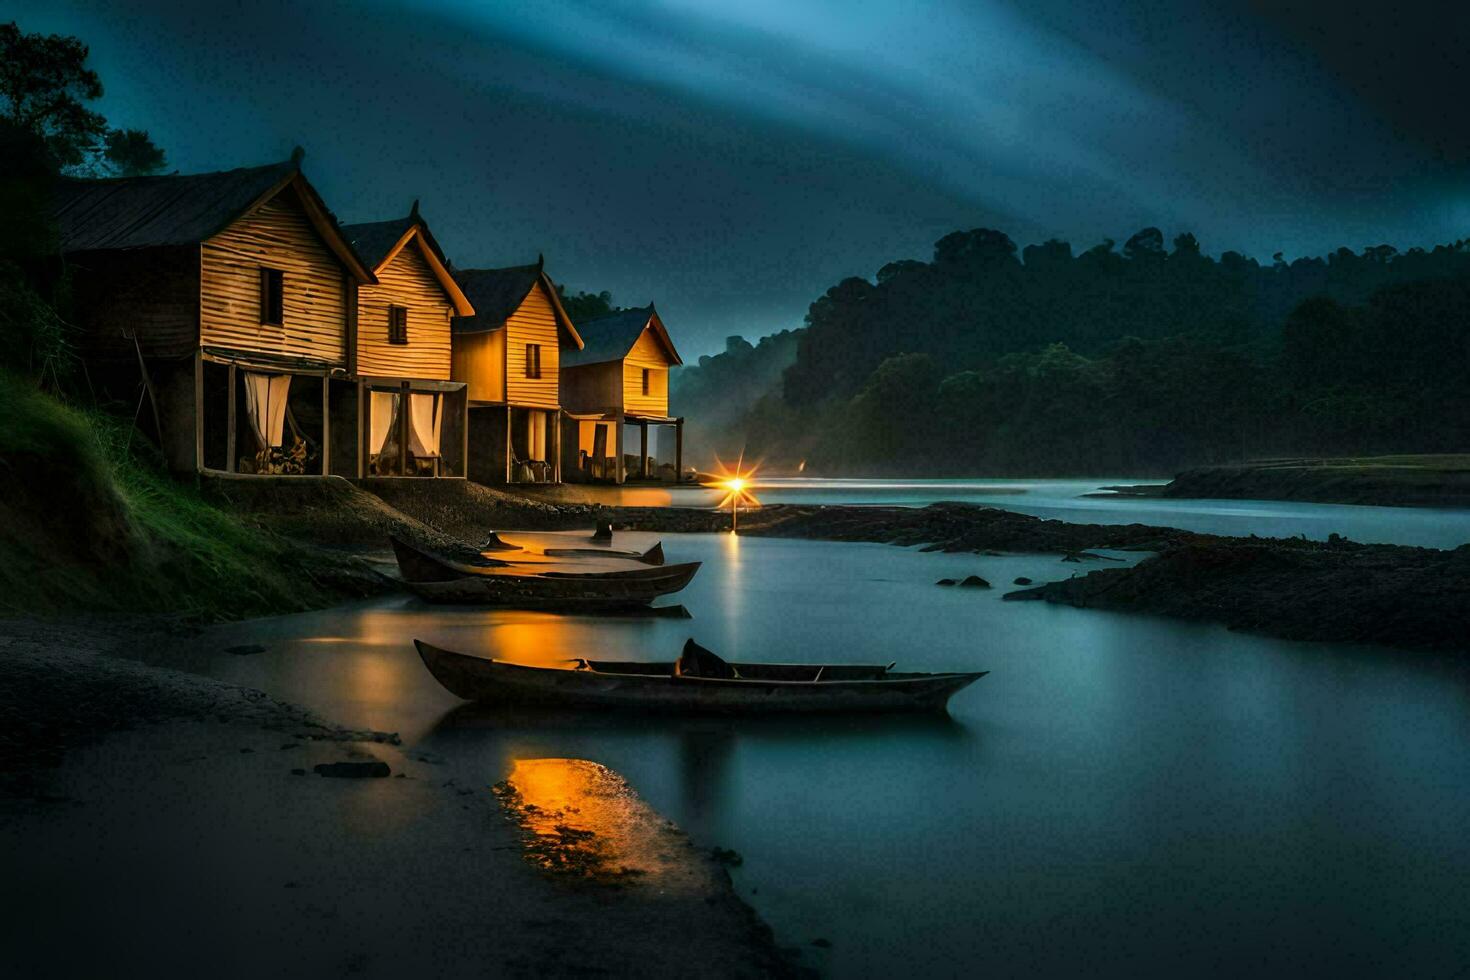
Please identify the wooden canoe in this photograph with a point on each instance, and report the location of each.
(438, 578)
(653, 556)
(758, 690)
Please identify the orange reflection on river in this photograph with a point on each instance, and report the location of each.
(581, 819)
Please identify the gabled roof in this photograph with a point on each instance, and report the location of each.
(185, 209)
(498, 293)
(380, 242)
(611, 337)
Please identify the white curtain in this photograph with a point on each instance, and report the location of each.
(424, 418)
(384, 407)
(536, 435)
(265, 404)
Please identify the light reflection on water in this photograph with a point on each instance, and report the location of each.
(1120, 790)
(581, 819)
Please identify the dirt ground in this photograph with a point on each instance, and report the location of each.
(157, 823)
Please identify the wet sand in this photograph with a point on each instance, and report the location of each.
(154, 822)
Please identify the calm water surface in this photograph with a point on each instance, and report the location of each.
(1066, 500)
(1121, 795)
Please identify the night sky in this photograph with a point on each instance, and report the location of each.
(731, 160)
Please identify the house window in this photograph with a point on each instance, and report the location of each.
(533, 360)
(272, 297)
(397, 324)
(647, 383)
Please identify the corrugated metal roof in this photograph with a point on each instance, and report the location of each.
(609, 338)
(495, 295)
(147, 212)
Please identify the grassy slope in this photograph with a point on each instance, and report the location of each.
(87, 522)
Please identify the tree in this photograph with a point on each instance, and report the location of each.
(130, 153)
(45, 84)
(1146, 244)
(586, 306)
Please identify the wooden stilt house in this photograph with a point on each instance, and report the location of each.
(224, 302)
(620, 379)
(413, 418)
(509, 353)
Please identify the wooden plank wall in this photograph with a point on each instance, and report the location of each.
(646, 353)
(593, 387)
(407, 281)
(479, 361)
(276, 235)
(151, 292)
(533, 323)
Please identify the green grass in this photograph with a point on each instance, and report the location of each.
(90, 521)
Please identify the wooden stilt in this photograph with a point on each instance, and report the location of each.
(326, 425)
(199, 411)
(232, 423)
(618, 467)
(678, 450)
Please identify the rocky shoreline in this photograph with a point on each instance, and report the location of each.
(1389, 481)
(1295, 588)
(1337, 590)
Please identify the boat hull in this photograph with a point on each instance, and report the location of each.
(441, 579)
(495, 682)
(553, 590)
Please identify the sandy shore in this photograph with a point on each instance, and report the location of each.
(157, 823)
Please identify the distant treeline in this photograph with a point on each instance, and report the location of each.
(1139, 361)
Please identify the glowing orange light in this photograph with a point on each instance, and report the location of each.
(735, 481)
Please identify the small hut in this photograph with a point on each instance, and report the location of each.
(414, 418)
(224, 301)
(509, 353)
(620, 378)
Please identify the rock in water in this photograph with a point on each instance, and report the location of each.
(974, 582)
(1022, 580)
(353, 770)
(945, 581)
(245, 649)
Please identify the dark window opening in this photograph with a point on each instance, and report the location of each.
(272, 297)
(647, 380)
(397, 324)
(533, 360)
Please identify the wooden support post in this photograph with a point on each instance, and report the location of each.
(643, 450)
(556, 444)
(507, 443)
(363, 414)
(199, 411)
(326, 424)
(464, 432)
(678, 450)
(618, 443)
(232, 421)
(405, 406)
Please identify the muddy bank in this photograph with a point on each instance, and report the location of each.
(1390, 481)
(187, 823)
(1396, 596)
(957, 527)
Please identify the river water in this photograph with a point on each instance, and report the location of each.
(1121, 795)
(1083, 501)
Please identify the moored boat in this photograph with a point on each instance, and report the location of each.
(653, 556)
(698, 681)
(439, 578)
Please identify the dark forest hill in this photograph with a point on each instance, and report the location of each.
(1142, 360)
(716, 395)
